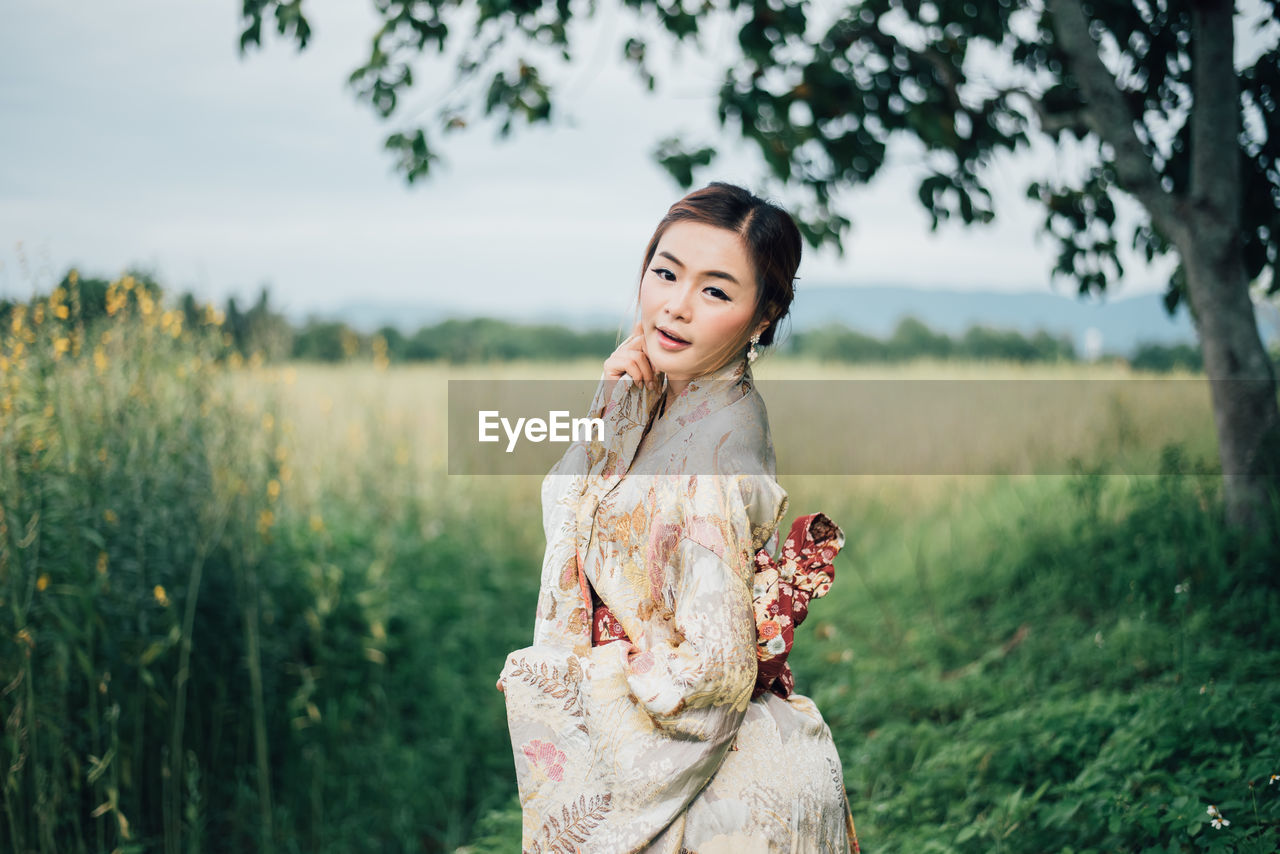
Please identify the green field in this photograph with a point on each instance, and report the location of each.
(245, 609)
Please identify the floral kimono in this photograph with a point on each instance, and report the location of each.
(675, 731)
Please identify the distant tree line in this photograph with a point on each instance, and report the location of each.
(259, 328)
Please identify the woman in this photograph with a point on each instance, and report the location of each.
(639, 719)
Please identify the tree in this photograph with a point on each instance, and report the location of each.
(1149, 86)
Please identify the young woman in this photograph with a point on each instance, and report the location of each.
(654, 711)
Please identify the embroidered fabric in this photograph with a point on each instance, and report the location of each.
(782, 589)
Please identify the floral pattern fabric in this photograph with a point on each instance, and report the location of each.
(780, 595)
(657, 745)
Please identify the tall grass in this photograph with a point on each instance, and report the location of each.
(199, 652)
(135, 507)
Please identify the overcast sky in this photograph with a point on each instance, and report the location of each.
(133, 133)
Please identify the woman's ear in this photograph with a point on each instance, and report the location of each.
(761, 327)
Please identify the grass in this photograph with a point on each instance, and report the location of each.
(246, 609)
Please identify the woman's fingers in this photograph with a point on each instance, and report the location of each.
(501, 687)
(631, 358)
(643, 370)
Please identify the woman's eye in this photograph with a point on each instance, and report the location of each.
(661, 270)
(718, 294)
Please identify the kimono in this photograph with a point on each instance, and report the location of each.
(666, 740)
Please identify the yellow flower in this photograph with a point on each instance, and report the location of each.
(60, 346)
(110, 516)
(99, 360)
(102, 455)
(48, 410)
(161, 597)
(42, 583)
(116, 300)
(265, 520)
(102, 563)
(37, 314)
(61, 312)
(317, 522)
(73, 276)
(273, 489)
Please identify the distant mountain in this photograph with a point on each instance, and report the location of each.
(1119, 324)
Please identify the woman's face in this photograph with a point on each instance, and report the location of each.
(699, 287)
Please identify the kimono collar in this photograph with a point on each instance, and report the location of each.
(702, 396)
(627, 409)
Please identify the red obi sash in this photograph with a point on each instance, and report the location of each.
(781, 592)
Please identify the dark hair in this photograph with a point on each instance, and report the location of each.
(768, 233)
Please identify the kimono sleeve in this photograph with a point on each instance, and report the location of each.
(710, 658)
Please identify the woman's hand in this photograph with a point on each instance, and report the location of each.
(501, 687)
(630, 358)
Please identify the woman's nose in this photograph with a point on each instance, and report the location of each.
(678, 301)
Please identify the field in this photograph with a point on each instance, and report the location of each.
(249, 610)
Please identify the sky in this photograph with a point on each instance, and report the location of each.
(134, 133)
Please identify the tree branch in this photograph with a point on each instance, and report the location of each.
(1108, 116)
(1051, 122)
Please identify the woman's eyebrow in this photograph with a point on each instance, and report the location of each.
(719, 274)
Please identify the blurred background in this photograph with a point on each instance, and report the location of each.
(244, 607)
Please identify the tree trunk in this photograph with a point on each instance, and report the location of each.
(1241, 380)
(1205, 225)
(1242, 383)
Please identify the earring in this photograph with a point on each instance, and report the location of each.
(752, 353)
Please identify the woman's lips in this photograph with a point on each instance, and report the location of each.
(669, 343)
